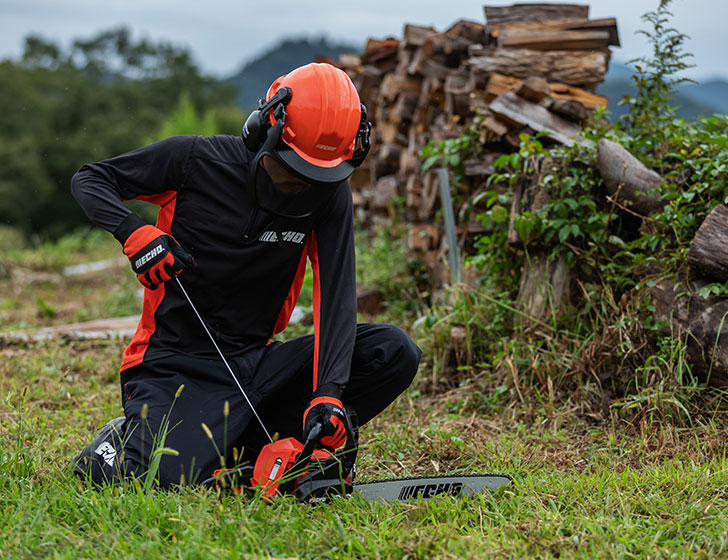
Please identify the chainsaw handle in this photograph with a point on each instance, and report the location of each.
(348, 452)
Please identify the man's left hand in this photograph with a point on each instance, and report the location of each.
(329, 412)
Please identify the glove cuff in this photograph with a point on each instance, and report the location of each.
(329, 390)
(327, 400)
(128, 226)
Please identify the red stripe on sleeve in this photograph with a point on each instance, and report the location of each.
(285, 314)
(314, 258)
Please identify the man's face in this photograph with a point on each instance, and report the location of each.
(283, 181)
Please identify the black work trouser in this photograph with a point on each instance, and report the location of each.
(278, 380)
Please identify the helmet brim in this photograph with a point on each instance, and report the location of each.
(307, 171)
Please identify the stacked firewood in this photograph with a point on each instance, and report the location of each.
(529, 68)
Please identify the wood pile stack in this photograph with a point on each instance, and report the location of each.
(529, 68)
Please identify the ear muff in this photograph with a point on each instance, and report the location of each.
(257, 125)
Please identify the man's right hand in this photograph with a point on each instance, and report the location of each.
(155, 256)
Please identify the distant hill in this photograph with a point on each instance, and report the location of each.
(255, 76)
(690, 101)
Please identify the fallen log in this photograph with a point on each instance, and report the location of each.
(708, 254)
(627, 178)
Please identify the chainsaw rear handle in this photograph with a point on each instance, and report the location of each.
(346, 455)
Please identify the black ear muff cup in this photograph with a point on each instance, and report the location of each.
(254, 131)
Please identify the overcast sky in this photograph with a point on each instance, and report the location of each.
(223, 34)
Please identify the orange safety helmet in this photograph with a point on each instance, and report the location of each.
(313, 123)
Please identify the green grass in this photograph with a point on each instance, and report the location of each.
(582, 490)
(585, 486)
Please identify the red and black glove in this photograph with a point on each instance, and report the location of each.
(155, 256)
(329, 412)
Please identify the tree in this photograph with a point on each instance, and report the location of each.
(63, 108)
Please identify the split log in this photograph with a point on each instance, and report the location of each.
(473, 31)
(708, 253)
(569, 109)
(415, 35)
(495, 126)
(457, 94)
(583, 68)
(526, 12)
(701, 323)
(381, 53)
(393, 85)
(406, 105)
(386, 189)
(627, 178)
(554, 40)
(534, 89)
(518, 111)
(498, 84)
(565, 91)
(387, 160)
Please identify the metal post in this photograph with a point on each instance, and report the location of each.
(453, 254)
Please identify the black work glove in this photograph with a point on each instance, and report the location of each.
(329, 412)
(155, 256)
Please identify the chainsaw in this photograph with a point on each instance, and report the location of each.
(314, 474)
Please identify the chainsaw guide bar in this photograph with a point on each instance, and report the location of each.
(426, 487)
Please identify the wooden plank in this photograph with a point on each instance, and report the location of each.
(526, 12)
(515, 109)
(554, 40)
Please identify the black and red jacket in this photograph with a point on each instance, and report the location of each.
(250, 265)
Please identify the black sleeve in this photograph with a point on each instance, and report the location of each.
(333, 262)
(101, 187)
